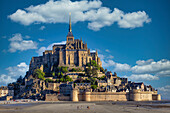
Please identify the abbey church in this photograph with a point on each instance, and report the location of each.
(73, 54)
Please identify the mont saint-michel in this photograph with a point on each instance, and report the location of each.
(70, 72)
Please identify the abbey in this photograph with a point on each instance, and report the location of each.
(70, 72)
(73, 54)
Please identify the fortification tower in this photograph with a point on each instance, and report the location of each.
(87, 96)
(74, 95)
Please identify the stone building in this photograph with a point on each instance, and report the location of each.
(6, 92)
(73, 54)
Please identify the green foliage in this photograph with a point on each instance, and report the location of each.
(61, 79)
(67, 78)
(94, 72)
(94, 86)
(102, 78)
(57, 80)
(48, 80)
(93, 81)
(102, 69)
(73, 70)
(79, 70)
(64, 69)
(53, 74)
(88, 71)
(39, 74)
(93, 63)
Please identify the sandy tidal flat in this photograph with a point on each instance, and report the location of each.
(87, 107)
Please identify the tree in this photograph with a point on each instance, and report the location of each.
(61, 79)
(78, 70)
(73, 70)
(53, 74)
(94, 86)
(92, 81)
(88, 71)
(48, 80)
(67, 78)
(94, 72)
(39, 74)
(102, 69)
(64, 69)
(93, 63)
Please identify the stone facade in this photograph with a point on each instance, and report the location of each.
(73, 54)
(135, 95)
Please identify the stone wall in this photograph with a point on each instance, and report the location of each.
(140, 96)
(114, 96)
(51, 97)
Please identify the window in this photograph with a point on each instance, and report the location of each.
(70, 39)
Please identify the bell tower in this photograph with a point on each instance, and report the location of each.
(70, 37)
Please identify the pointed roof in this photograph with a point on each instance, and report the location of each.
(70, 34)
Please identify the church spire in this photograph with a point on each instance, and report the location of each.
(70, 36)
(70, 30)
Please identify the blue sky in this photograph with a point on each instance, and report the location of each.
(132, 37)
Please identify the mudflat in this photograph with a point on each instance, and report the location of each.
(88, 107)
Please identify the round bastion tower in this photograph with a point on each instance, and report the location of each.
(87, 96)
(74, 95)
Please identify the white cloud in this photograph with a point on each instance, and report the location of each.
(165, 88)
(5, 79)
(142, 77)
(143, 62)
(164, 91)
(40, 39)
(121, 67)
(92, 51)
(107, 50)
(135, 19)
(93, 12)
(101, 56)
(18, 70)
(42, 27)
(108, 63)
(17, 43)
(110, 57)
(42, 49)
(13, 73)
(163, 73)
(151, 66)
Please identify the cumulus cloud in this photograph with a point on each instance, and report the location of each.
(17, 43)
(151, 66)
(135, 19)
(42, 49)
(13, 73)
(5, 79)
(143, 70)
(93, 12)
(142, 77)
(42, 27)
(150, 69)
(121, 67)
(164, 91)
(110, 57)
